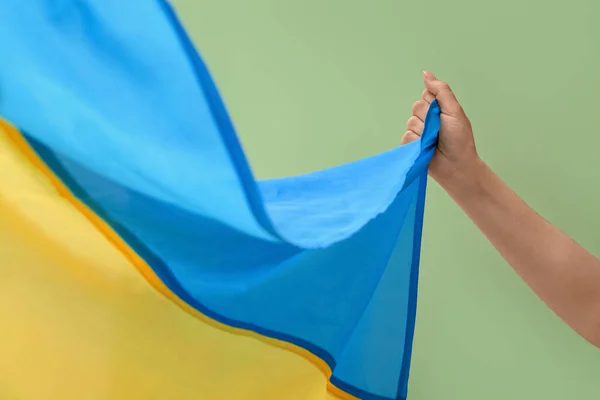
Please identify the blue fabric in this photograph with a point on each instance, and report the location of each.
(116, 100)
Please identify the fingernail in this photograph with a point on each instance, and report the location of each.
(428, 76)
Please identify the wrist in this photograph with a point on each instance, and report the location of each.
(463, 177)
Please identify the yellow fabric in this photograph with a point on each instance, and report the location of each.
(79, 321)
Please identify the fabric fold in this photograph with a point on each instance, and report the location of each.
(120, 108)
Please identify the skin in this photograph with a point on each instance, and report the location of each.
(561, 272)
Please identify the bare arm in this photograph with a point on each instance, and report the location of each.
(561, 272)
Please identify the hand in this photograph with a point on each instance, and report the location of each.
(456, 154)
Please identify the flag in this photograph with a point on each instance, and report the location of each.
(140, 257)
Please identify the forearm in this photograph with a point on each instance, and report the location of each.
(561, 272)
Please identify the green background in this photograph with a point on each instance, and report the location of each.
(315, 83)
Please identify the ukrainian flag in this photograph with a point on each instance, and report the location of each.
(140, 259)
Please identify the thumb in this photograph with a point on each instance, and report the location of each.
(442, 92)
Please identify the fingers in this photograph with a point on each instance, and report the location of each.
(442, 92)
(434, 89)
(414, 124)
(427, 96)
(419, 109)
(409, 137)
